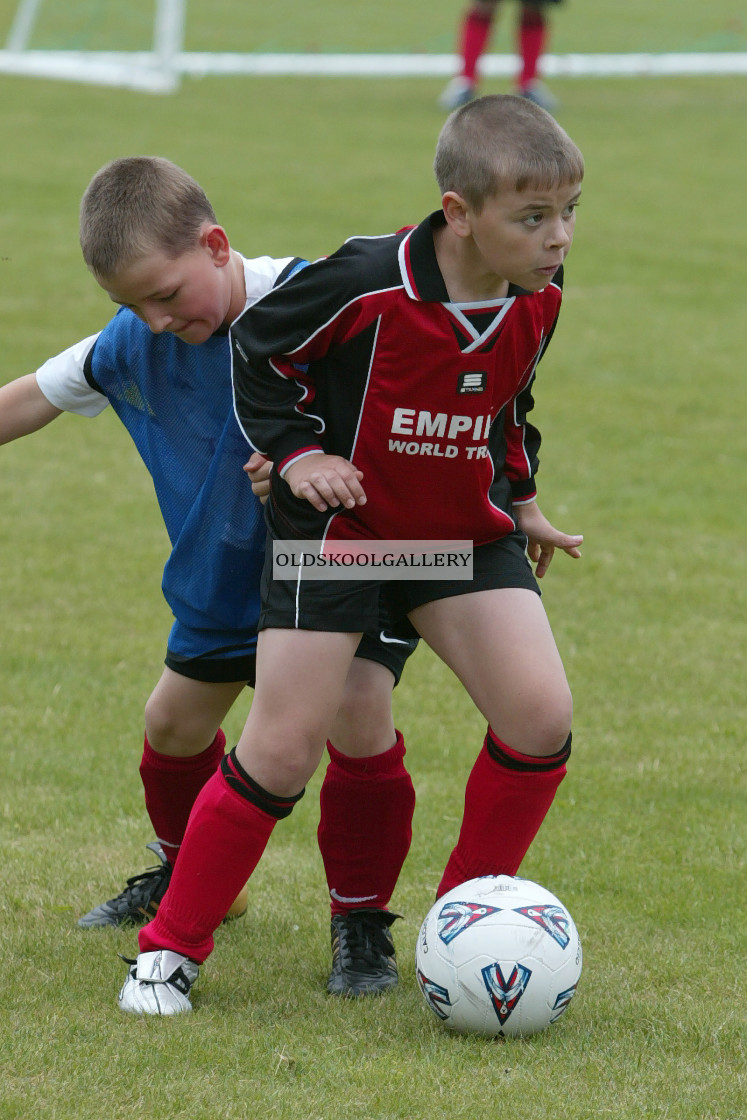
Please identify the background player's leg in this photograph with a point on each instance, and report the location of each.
(474, 33)
(532, 35)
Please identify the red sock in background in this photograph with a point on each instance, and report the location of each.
(475, 35)
(171, 785)
(506, 800)
(532, 37)
(229, 827)
(365, 826)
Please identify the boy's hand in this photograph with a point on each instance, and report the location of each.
(543, 538)
(326, 480)
(258, 468)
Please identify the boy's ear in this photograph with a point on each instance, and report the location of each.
(215, 240)
(456, 212)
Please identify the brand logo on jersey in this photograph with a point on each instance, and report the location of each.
(437, 996)
(472, 382)
(505, 991)
(458, 916)
(553, 920)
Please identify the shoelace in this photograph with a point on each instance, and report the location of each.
(141, 888)
(364, 940)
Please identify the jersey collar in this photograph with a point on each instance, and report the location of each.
(418, 264)
(421, 275)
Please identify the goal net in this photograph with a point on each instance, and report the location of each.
(59, 39)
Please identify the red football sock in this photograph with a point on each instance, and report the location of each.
(229, 827)
(507, 798)
(475, 35)
(365, 828)
(171, 785)
(532, 37)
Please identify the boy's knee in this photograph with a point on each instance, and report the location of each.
(363, 741)
(549, 725)
(558, 721)
(160, 720)
(364, 724)
(170, 732)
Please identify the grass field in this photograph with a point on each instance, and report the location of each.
(641, 401)
(287, 25)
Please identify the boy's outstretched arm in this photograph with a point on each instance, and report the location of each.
(543, 538)
(24, 408)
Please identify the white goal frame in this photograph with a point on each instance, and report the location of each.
(160, 69)
(154, 71)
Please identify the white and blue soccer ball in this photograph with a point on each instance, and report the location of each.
(498, 956)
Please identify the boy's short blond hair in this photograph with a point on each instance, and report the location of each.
(139, 205)
(503, 142)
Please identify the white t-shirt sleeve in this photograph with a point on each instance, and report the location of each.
(63, 382)
(260, 275)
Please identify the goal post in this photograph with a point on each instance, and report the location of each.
(155, 70)
(23, 25)
(159, 62)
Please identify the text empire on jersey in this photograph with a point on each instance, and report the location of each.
(410, 422)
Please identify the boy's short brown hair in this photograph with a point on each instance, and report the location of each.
(137, 205)
(503, 142)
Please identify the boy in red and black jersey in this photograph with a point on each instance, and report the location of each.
(390, 384)
(427, 396)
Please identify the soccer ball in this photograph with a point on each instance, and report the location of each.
(498, 955)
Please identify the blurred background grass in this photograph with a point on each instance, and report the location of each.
(641, 402)
(287, 25)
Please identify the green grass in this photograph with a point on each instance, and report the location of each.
(641, 401)
(287, 25)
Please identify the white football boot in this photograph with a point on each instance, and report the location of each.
(158, 983)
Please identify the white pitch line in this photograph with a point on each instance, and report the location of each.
(145, 70)
(443, 65)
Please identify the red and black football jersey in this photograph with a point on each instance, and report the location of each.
(363, 354)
